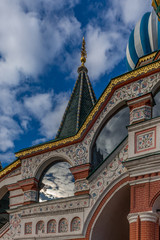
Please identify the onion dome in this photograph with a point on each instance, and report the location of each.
(144, 39)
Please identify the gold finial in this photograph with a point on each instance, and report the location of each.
(83, 52)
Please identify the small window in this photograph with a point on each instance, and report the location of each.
(56, 182)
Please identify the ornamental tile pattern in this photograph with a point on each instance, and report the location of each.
(76, 224)
(63, 225)
(30, 196)
(145, 140)
(40, 228)
(112, 171)
(81, 185)
(28, 228)
(51, 226)
(140, 113)
(15, 227)
(56, 207)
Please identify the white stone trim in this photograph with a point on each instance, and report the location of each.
(132, 217)
(148, 216)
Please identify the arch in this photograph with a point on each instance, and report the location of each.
(40, 227)
(63, 225)
(47, 162)
(101, 203)
(75, 224)
(106, 134)
(51, 226)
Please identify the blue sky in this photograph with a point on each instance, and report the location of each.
(40, 45)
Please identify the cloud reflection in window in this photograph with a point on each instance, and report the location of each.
(57, 182)
(110, 136)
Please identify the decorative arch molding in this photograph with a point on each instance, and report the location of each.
(105, 118)
(101, 203)
(34, 167)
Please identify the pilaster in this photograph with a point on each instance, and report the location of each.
(143, 226)
(30, 189)
(80, 174)
(140, 108)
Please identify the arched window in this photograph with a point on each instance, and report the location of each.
(51, 226)
(4, 206)
(76, 224)
(63, 225)
(56, 182)
(40, 228)
(111, 135)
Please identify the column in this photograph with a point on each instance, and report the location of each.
(143, 226)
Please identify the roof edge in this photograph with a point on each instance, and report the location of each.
(114, 82)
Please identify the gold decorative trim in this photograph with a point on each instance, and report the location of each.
(112, 84)
(9, 168)
(145, 58)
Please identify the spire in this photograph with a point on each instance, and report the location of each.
(83, 52)
(81, 101)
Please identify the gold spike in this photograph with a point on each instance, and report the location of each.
(83, 52)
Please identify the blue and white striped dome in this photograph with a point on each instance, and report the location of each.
(144, 39)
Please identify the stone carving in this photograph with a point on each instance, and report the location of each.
(76, 224)
(112, 171)
(54, 207)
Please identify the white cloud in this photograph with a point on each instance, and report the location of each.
(32, 35)
(107, 39)
(7, 157)
(48, 109)
(9, 131)
(58, 181)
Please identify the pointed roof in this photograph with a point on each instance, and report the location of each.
(81, 101)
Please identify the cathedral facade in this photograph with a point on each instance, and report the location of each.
(112, 148)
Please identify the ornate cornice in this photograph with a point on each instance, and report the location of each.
(114, 82)
(146, 58)
(9, 168)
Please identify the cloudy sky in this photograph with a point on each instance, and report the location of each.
(40, 45)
